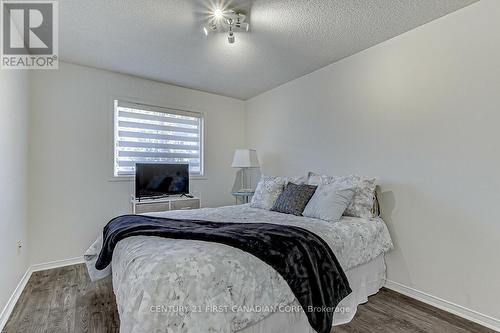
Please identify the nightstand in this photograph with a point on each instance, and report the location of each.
(244, 195)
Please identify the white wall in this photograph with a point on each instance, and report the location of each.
(71, 194)
(421, 112)
(13, 173)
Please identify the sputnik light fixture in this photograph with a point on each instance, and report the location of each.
(227, 21)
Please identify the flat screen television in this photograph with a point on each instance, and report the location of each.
(156, 180)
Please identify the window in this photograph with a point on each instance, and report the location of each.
(150, 134)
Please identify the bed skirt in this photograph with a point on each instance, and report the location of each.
(365, 280)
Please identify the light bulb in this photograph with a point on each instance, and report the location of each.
(218, 13)
(205, 31)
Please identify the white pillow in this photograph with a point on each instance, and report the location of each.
(329, 202)
(296, 180)
(362, 202)
(268, 190)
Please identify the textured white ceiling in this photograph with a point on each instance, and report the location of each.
(162, 39)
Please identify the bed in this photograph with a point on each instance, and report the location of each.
(169, 285)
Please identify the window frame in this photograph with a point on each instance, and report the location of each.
(156, 107)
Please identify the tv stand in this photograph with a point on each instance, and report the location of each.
(164, 203)
(152, 198)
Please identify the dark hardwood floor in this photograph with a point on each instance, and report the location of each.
(65, 300)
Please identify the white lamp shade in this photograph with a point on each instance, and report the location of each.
(245, 158)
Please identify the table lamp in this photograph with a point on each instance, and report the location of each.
(245, 159)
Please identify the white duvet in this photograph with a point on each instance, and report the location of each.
(167, 285)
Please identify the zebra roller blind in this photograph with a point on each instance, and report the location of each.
(150, 134)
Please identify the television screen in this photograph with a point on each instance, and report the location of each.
(153, 180)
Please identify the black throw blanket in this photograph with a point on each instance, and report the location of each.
(301, 257)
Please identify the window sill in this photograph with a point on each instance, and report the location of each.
(198, 177)
(131, 178)
(121, 179)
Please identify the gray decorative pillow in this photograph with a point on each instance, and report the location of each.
(363, 200)
(294, 199)
(329, 202)
(268, 190)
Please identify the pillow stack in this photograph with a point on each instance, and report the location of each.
(362, 202)
(317, 196)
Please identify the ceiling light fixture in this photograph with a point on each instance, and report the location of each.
(228, 21)
(218, 13)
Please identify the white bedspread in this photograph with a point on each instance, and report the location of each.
(167, 285)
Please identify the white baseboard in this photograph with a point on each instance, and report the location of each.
(7, 310)
(56, 264)
(461, 311)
